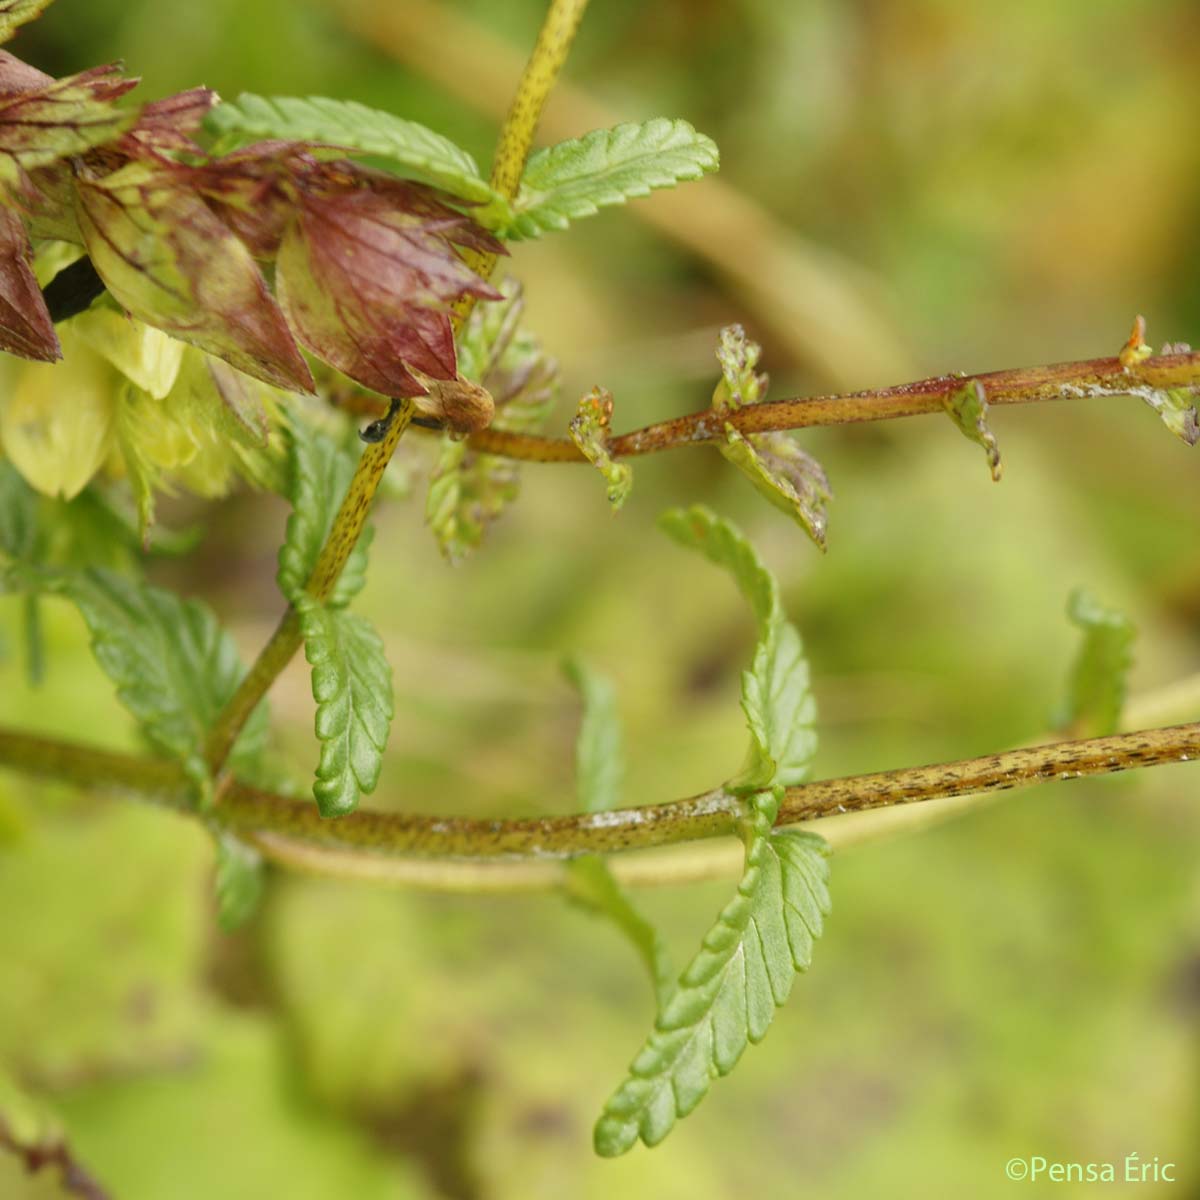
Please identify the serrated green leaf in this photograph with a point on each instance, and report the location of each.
(968, 409)
(321, 471)
(238, 881)
(776, 695)
(15, 13)
(352, 685)
(417, 151)
(727, 996)
(1096, 684)
(607, 166)
(174, 667)
(599, 765)
(789, 477)
(589, 430)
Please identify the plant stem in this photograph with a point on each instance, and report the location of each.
(431, 850)
(285, 641)
(520, 124)
(1087, 379)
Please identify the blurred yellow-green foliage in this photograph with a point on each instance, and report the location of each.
(991, 185)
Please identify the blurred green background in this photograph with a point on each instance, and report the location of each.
(916, 188)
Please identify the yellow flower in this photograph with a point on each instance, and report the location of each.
(56, 422)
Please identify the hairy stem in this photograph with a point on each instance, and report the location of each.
(343, 536)
(520, 125)
(432, 849)
(1021, 385)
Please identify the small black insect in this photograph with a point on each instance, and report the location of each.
(377, 430)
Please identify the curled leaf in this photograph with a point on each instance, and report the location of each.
(789, 477)
(968, 409)
(170, 262)
(589, 430)
(1177, 408)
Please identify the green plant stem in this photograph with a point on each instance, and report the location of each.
(433, 850)
(520, 124)
(1087, 379)
(285, 641)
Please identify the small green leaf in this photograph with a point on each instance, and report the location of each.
(418, 152)
(239, 880)
(789, 477)
(321, 471)
(15, 13)
(727, 996)
(593, 886)
(599, 765)
(589, 430)
(607, 166)
(1096, 685)
(174, 667)
(352, 685)
(599, 756)
(18, 514)
(1177, 408)
(776, 694)
(968, 409)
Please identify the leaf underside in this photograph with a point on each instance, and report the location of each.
(727, 996)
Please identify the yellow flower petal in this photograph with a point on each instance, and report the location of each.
(56, 424)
